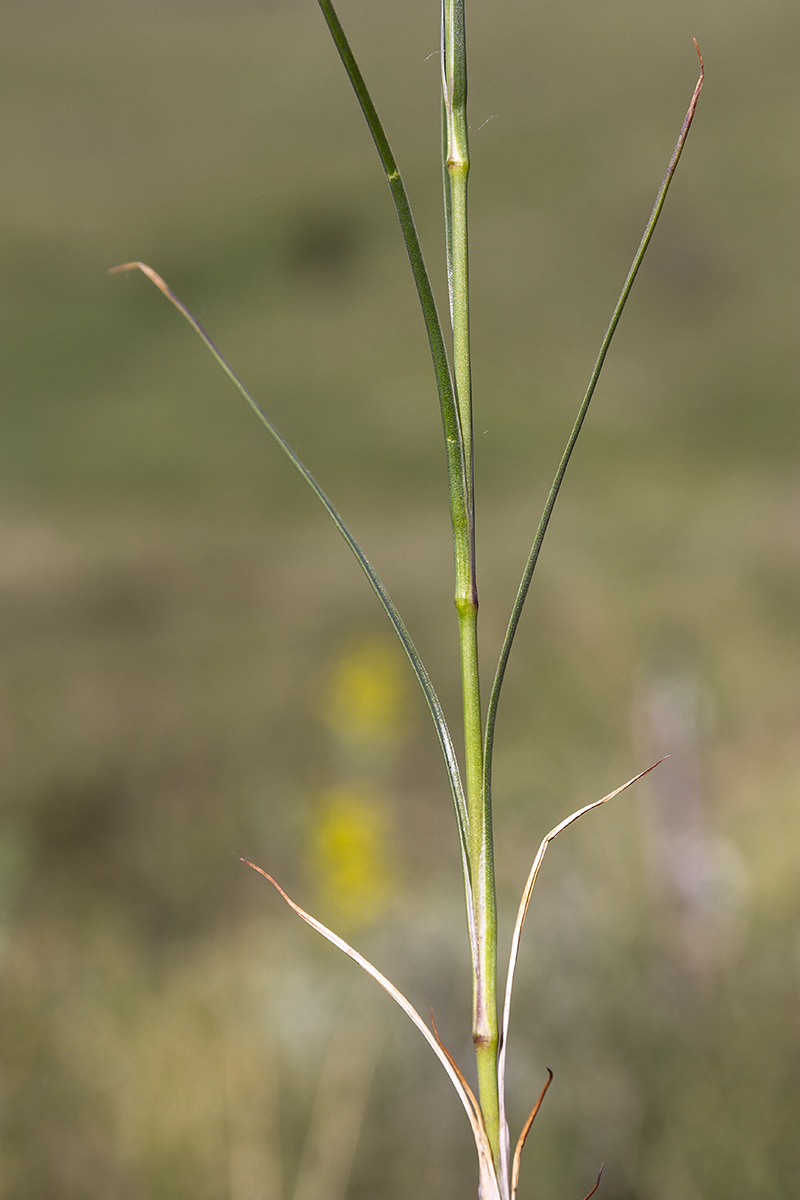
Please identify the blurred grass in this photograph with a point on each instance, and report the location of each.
(171, 603)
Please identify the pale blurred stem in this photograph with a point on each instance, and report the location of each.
(456, 172)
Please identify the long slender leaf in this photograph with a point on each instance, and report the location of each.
(488, 1177)
(434, 705)
(523, 1137)
(533, 557)
(515, 940)
(454, 440)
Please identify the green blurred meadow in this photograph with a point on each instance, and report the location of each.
(193, 668)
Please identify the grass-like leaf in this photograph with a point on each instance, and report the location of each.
(457, 466)
(530, 566)
(514, 954)
(423, 678)
(589, 1195)
(489, 1189)
(523, 1137)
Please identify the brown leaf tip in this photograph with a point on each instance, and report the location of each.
(699, 55)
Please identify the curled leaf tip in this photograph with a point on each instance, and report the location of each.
(154, 277)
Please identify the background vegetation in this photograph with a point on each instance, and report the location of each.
(193, 668)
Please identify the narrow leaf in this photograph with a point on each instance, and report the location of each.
(515, 940)
(454, 442)
(424, 680)
(523, 1137)
(472, 1098)
(487, 1174)
(533, 557)
(589, 1195)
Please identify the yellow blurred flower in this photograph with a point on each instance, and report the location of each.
(364, 698)
(349, 854)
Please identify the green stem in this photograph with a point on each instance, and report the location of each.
(456, 174)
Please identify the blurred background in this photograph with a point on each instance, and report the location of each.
(193, 668)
